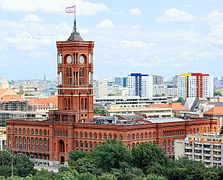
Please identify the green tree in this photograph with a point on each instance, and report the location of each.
(217, 94)
(5, 158)
(86, 176)
(23, 166)
(107, 176)
(99, 110)
(85, 165)
(155, 177)
(44, 175)
(132, 173)
(73, 156)
(145, 154)
(109, 155)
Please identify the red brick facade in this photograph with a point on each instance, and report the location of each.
(70, 128)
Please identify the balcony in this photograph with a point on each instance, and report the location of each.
(188, 147)
(207, 160)
(207, 155)
(188, 153)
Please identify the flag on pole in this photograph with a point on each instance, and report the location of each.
(71, 9)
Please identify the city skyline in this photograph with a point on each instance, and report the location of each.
(148, 37)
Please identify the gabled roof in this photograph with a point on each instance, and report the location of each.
(217, 110)
(44, 101)
(11, 97)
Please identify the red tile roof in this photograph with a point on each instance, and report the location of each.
(44, 101)
(11, 97)
(217, 110)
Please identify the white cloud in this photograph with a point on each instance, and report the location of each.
(133, 44)
(106, 24)
(135, 12)
(31, 18)
(174, 14)
(52, 6)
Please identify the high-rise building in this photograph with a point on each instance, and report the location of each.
(140, 85)
(125, 82)
(157, 80)
(195, 85)
(100, 88)
(118, 81)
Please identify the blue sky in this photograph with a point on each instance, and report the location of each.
(155, 37)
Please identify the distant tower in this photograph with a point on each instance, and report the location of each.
(44, 77)
(75, 79)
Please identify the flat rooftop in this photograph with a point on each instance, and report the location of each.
(164, 120)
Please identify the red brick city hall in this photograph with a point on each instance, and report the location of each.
(72, 126)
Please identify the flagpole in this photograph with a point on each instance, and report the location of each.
(75, 20)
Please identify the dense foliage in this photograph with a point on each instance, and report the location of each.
(112, 161)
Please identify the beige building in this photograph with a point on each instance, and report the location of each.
(207, 148)
(2, 138)
(155, 110)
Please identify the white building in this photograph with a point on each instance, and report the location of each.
(195, 85)
(100, 88)
(140, 85)
(207, 148)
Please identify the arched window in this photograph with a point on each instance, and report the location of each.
(45, 144)
(128, 136)
(90, 134)
(81, 145)
(41, 132)
(100, 136)
(154, 134)
(36, 143)
(121, 137)
(36, 132)
(16, 131)
(32, 142)
(115, 136)
(24, 131)
(32, 132)
(146, 135)
(133, 136)
(137, 136)
(109, 136)
(95, 135)
(20, 131)
(28, 132)
(81, 135)
(150, 134)
(76, 144)
(105, 136)
(95, 144)
(44, 132)
(86, 145)
(24, 142)
(76, 134)
(41, 143)
(85, 135)
(141, 136)
(90, 143)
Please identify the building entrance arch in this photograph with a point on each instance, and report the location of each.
(61, 146)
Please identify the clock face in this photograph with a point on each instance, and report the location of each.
(69, 59)
(82, 59)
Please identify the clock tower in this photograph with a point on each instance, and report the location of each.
(75, 79)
